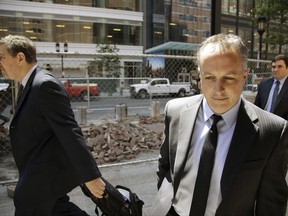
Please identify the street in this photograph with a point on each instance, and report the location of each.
(138, 174)
(104, 106)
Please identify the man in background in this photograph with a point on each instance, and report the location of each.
(272, 94)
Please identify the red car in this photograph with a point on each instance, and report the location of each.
(81, 90)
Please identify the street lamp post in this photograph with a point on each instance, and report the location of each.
(261, 29)
(62, 56)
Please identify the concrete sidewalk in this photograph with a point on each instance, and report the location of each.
(139, 175)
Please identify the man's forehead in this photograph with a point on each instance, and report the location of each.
(217, 50)
(227, 55)
(3, 49)
(280, 61)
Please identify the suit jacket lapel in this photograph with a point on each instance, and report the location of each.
(26, 89)
(243, 137)
(186, 124)
(283, 92)
(267, 89)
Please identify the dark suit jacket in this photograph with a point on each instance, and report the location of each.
(281, 108)
(48, 145)
(253, 177)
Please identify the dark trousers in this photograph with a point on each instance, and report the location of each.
(62, 207)
(172, 212)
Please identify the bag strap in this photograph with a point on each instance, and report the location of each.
(88, 193)
(123, 187)
(136, 204)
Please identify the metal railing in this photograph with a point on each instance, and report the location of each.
(87, 72)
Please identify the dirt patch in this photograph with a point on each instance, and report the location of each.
(153, 124)
(8, 169)
(114, 141)
(109, 142)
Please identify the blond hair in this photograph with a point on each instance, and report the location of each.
(224, 43)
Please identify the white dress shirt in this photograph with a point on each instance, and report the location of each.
(225, 132)
(25, 79)
(269, 101)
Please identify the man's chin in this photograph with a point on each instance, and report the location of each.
(5, 75)
(220, 108)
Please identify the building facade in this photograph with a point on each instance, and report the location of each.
(85, 22)
(178, 21)
(81, 24)
(191, 21)
(174, 27)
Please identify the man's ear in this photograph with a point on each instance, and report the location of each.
(21, 57)
(246, 73)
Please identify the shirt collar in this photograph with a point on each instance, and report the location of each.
(229, 117)
(25, 79)
(281, 81)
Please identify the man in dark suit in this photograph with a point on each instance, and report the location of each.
(264, 97)
(249, 160)
(48, 146)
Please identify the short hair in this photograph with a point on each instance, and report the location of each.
(225, 43)
(281, 57)
(17, 43)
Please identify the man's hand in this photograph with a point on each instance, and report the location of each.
(96, 187)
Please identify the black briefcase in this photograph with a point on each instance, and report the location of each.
(116, 201)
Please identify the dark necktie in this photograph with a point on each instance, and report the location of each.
(274, 96)
(201, 189)
(20, 90)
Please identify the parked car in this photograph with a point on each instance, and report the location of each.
(5, 100)
(251, 87)
(80, 90)
(4, 86)
(159, 86)
(5, 91)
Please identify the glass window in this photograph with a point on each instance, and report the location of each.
(206, 34)
(228, 29)
(181, 16)
(207, 5)
(184, 32)
(132, 5)
(207, 19)
(192, 18)
(158, 34)
(132, 70)
(245, 8)
(158, 7)
(192, 32)
(71, 31)
(228, 7)
(245, 34)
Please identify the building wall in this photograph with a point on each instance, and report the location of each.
(178, 20)
(76, 22)
(81, 23)
(237, 17)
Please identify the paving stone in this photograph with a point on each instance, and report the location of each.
(117, 141)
